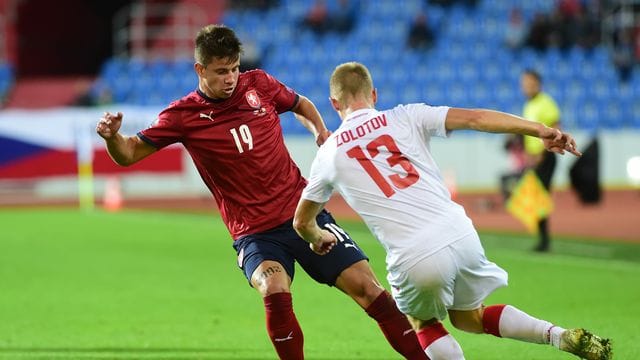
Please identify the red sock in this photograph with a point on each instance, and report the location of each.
(431, 333)
(283, 327)
(396, 327)
(491, 319)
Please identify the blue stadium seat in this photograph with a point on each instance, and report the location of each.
(589, 117)
(467, 66)
(433, 94)
(633, 118)
(601, 90)
(6, 78)
(574, 90)
(612, 116)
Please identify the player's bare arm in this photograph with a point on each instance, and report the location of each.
(500, 122)
(124, 150)
(307, 113)
(304, 222)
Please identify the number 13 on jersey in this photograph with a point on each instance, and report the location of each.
(396, 158)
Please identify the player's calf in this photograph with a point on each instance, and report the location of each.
(507, 321)
(438, 343)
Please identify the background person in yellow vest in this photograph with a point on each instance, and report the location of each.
(540, 107)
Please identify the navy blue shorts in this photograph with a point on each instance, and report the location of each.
(282, 244)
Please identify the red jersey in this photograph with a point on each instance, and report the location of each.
(238, 148)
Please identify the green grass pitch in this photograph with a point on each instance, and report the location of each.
(150, 285)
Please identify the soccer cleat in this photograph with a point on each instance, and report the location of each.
(586, 345)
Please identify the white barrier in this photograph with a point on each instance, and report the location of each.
(475, 159)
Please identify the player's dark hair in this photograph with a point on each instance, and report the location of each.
(217, 41)
(536, 75)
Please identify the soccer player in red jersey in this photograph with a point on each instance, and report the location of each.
(231, 128)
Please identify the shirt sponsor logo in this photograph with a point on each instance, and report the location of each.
(252, 99)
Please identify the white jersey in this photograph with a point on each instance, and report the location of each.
(380, 162)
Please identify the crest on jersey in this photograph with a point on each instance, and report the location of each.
(253, 99)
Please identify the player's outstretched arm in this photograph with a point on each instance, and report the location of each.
(304, 222)
(307, 113)
(124, 150)
(500, 122)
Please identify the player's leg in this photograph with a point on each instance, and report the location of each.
(509, 322)
(346, 267)
(270, 271)
(544, 171)
(477, 278)
(436, 340)
(424, 291)
(360, 283)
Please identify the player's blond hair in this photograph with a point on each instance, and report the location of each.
(349, 81)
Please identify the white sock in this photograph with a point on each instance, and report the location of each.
(554, 336)
(445, 348)
(516, 324)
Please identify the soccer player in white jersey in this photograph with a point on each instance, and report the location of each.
(381, 163)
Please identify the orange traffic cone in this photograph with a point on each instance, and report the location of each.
(112, 194)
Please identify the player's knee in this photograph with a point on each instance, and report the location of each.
(359, 282)
(270, 279)
(270, 289)
(371, 290)
(469, 321)
(363, 290)
(418, 324)
(274, 290)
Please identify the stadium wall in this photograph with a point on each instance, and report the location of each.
(474, 161)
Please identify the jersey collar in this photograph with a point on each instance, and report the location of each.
(204, 96)
(358, 113)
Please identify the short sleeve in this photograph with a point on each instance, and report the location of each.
(282, 96)
(319, 187)
(429, 119)
(166, 130)
(551, 113)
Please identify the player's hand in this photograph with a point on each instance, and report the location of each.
(322, 137)
(324, 244)
(109, 125)
(558, 142)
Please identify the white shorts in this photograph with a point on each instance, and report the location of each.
(457, 277)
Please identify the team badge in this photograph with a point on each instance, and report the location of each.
(253, 99)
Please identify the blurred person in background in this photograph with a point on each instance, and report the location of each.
(514, 146)
(420, 33)
(339, 18)
(231, 128)
(623, 54)
(317, 17)
(517, 30)
(541, 108)
(251, 53)
(382, 165)
(262, 5)
(537, 37)
(343, 18)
